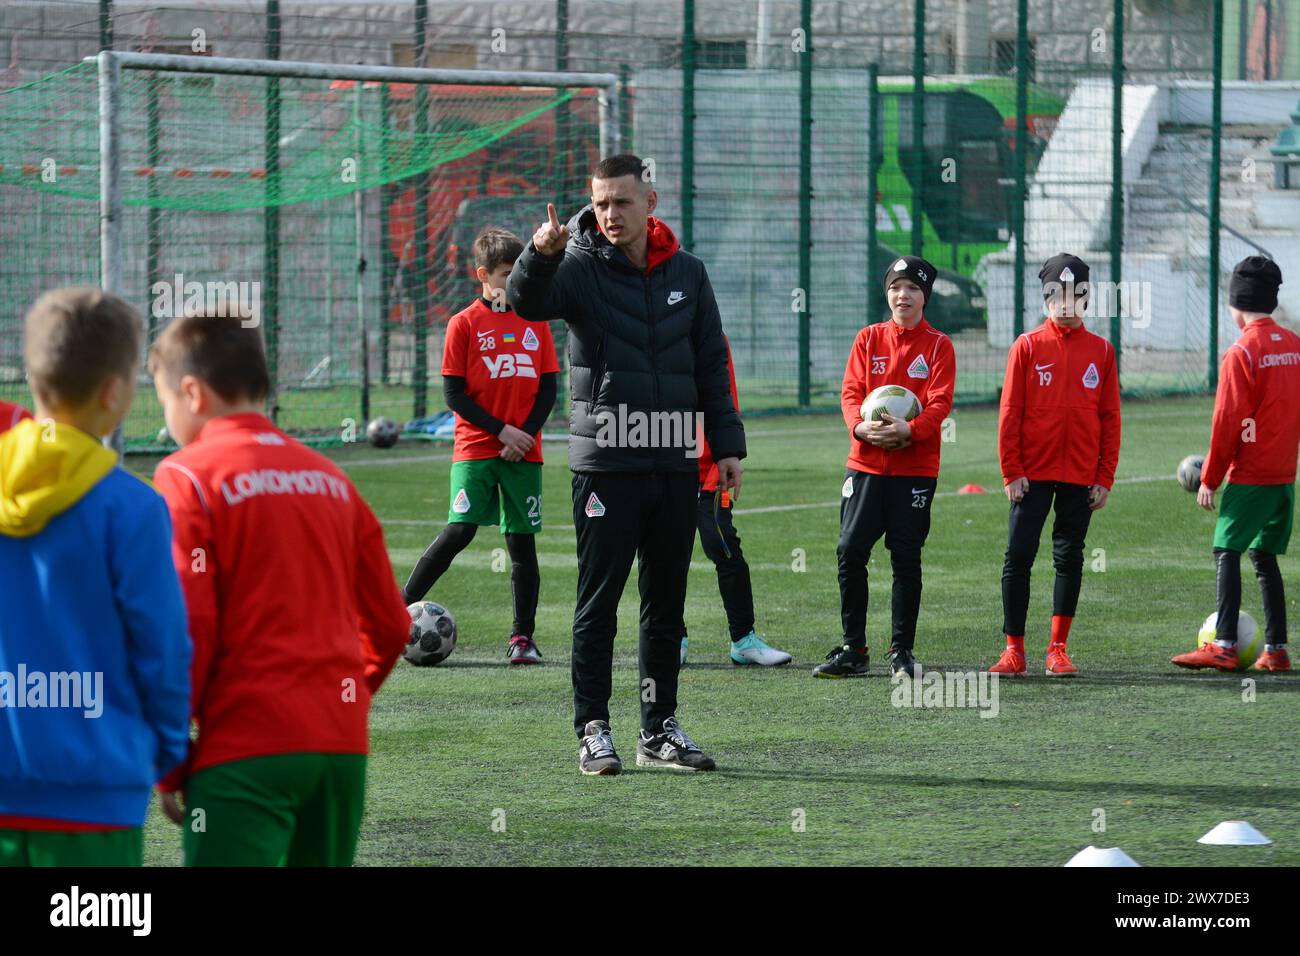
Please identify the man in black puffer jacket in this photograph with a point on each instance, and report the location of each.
(647, 366)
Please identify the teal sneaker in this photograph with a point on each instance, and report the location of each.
(683, 657)
(751, 650)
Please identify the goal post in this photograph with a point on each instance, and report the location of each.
(308, 176)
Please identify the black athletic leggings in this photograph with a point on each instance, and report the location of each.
(1228, 585)
(525, 578)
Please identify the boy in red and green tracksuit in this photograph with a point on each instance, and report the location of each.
(1058, 444)
(294, 612)
(1253, 443)
(499, 377)
(94, 657)
(11, 415)
(721, 543)
(893, 465)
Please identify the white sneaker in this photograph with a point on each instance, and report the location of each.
(750, 650)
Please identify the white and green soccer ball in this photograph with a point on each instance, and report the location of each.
(897, 400)
(433, 634)
(1249, 638)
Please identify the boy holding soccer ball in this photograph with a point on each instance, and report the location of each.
(498, 374)
(295, 615)
(1058, 444)
(1253, 443)
(893, 465)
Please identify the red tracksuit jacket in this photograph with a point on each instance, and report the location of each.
(1060, 418)
(294, 612)
(1259, 380)
(921, 359)
(11, 415)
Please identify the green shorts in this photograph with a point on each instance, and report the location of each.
(49, 848)
(300, 809)
(1255, 517)
(490, 490)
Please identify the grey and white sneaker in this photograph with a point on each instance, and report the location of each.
(596, 756)
(671, 748)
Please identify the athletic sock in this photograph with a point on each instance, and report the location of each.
(1061, 629)
(1017, 644)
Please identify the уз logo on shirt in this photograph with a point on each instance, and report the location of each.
(510, 365)
(918, 368)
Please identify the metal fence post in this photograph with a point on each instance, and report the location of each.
(918, 128)
(110, 192)
(271, 215)
(1022, 161)
(874, 156)
(805, 204)
(420, 271)
(1216, 122)
(1117, 172)
(688, 125)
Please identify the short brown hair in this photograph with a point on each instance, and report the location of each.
(75, 340)
(624, 164)
(220, 351)
(496, 247)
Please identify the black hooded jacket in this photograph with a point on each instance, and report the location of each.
(643, 341)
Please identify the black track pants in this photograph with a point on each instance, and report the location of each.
(617, 517)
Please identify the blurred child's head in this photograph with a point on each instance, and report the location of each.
(205, 366)
(495, 252)
(82, 347)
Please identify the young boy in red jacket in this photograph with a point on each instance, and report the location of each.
(1058, 443)
(294, 612)
(721, 544)
(1253, 443)
(893, 465)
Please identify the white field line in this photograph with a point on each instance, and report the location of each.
(773, 509)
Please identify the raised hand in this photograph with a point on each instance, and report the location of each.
(551, 237)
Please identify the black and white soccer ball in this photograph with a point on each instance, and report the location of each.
(382, 432)
(433, 634)
(1189, 472)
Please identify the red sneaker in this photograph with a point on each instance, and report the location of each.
(1059, 663)
(1209, 654)
(1277, 660)
(1011, 663)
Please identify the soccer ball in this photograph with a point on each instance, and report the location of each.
(894, 399)
(1248, 637)
(433, 634)
(382, 432)
(1189, 472)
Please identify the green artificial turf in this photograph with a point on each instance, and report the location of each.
(476, 763)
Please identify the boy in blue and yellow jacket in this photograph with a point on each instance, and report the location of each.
(94, 652)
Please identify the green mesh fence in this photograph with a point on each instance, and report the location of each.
(199, 197)
(198, 192)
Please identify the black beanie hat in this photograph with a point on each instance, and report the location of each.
(1254, 283)
(1065, 272)
(914, 268)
